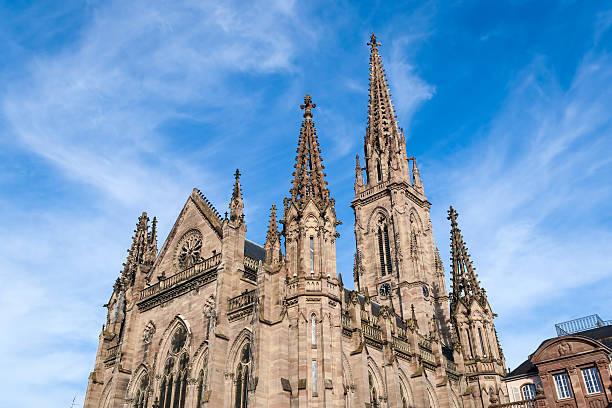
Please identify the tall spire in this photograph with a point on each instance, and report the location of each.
(464, 279)
(309, 179)
(383, 131)
(236, 205)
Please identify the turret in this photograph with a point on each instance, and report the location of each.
(472, 316)
(309, 217)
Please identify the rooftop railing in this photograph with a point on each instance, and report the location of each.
(181, 276)
(581, 324)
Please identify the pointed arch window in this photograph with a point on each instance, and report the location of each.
(242, 378)
(384, 250)
(142, 394)
(403, 397)
(312, 255)
(200, 389)
(387, 249)
(373, 392)
(378, 170)
(469, 339)
(314, 376)
(173, 387)
(313, 326)
(482, 344)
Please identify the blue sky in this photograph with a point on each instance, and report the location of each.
(111, 108)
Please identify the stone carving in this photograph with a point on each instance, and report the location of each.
(210, 316)
(564, 348)
(189, 249)
(118, 311)
(147, 336)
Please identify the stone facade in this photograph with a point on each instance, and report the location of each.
(215, 320)
(569, 371)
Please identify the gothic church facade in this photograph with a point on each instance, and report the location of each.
(215, 320)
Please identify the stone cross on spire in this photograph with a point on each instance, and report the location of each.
(309, 180)
(308, 106)
(464, 279)
(236, 205)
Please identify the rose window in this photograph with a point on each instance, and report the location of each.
(189, 252)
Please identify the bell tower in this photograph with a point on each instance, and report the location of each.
(396, 260)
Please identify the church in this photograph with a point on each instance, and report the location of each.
(215, 320)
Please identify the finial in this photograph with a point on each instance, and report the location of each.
(373, 42)
(452, 216)
(237, 193)
(307, 106)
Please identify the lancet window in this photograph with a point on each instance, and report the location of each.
(141, 396)
(403, 397)
(482, 344)
(312, 255)
(201, 384)
(241, 385)
(173, 386)
(373, 392)
(384, 249)
(313, 324)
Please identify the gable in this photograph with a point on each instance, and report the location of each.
(197, 223)
(563, 347)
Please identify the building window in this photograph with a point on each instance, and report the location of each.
(562, 385)
(242, 378)
(387, 249)
(381, 251)
(384, 250)
(312, 255)
(528, 391)
(469, 338)
(313, 324)
(373, 393)
(482, 345)
(591, 380)
(314, 376)
(378, 170)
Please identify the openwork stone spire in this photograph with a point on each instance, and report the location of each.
(308, 179)
(143, 250)
(383, 131)
(464, 279)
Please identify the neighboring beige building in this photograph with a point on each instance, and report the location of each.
(568, 371)
(215, 320)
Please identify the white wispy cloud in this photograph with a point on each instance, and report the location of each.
(96, 110)
(531, 202)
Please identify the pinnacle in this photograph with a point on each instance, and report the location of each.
(464, 280)
(236, 205)
(309, 179)
(237, 192)
(272, 226)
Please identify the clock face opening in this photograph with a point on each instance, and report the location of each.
(385, 289)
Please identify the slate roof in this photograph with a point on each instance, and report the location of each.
(254, 250)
